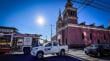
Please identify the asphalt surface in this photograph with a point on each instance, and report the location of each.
(22, 57)
(79, 53)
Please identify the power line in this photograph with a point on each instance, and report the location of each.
(100, 6)
(94, 4)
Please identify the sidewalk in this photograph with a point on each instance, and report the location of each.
(15, 53)
(82, 56)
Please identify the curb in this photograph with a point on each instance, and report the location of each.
(82, 59)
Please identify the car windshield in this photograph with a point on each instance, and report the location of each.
(94, 45)
(48, 43)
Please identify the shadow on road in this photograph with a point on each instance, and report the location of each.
(104, 57)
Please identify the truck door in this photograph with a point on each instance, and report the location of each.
(48, 48)
(27, 45)
(27, 41)
(55, 47)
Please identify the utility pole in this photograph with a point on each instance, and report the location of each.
(46, 37)
(108, 22)
(51, 32)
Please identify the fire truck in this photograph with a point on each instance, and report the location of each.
(5, 42)
(11, 39)
(26, 41)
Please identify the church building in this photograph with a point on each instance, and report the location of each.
(70, 32)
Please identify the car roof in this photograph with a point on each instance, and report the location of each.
(100, 44)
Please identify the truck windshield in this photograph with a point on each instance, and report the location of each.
(55, 44)
(36, 45)
(48, 44)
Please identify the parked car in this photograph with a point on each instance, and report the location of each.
(49, 48)
(98, 49)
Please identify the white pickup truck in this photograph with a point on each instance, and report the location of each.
(49, 48)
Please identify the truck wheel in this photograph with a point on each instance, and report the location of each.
(98, 54)
(86, 53)
(40, 55)
(1, 53)
(62, 52)
(26, 50)
(57, 54)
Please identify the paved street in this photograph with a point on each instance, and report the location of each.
(22, 57)
(81, 55)
(73, 55)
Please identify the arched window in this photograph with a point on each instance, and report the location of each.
(98, 41)
(66, 42)
(104, 37)
(59, 42)
(82, 36)
(91, 36)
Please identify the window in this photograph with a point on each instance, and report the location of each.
(47, 45)
(104, 37)
(72, 13)
(59, 42)
(66, 42)
(91, 36)
(82, 35)
(55, 44)
(98, 41)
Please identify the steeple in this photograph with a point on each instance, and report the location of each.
(70, 13)
(60, 17)
(68, 4)
(59, 21)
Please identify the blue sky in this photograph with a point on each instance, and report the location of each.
(23, 13)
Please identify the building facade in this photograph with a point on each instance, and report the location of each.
(69, 32)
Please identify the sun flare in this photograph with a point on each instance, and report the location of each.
(40, 20)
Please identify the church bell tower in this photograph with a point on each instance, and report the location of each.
(70, 13)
